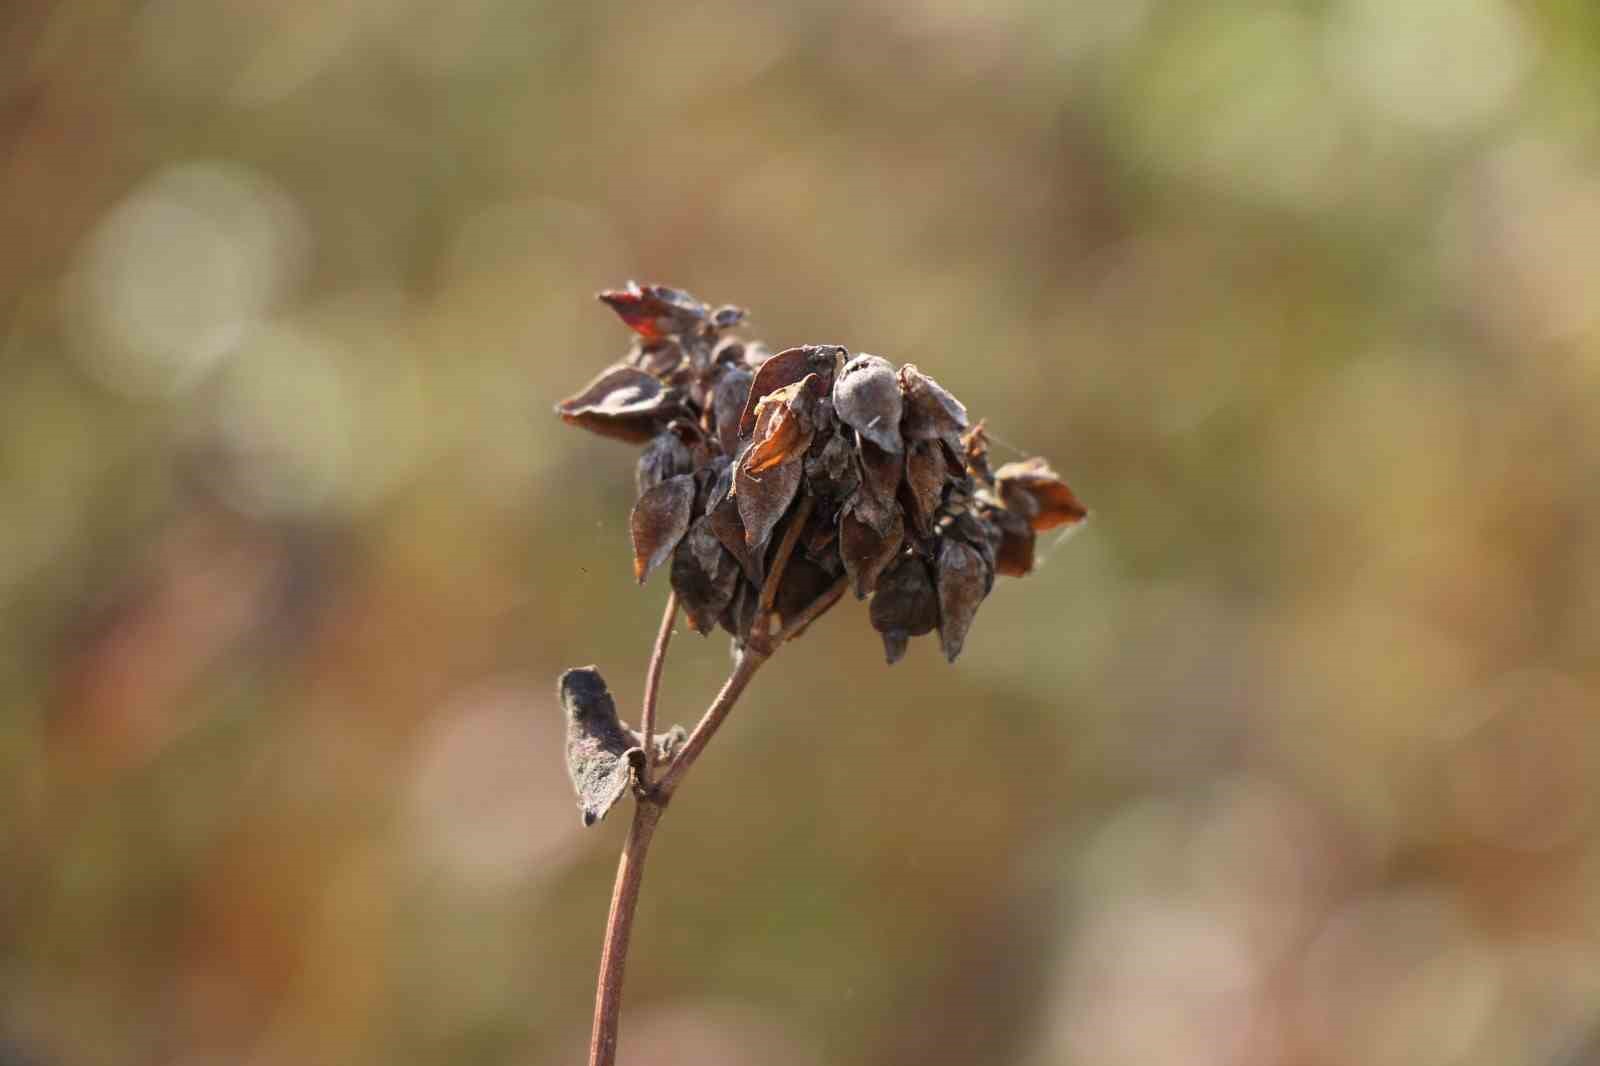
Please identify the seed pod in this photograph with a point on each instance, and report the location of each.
(704, 576)
(904, 606)
(924, 484)
(1037, 493)
(931, 412)
(664, 457)
(728, 528)
(786, 368)
(963, 580)
(654, 311)
(624, 403)
(866, 396)
(833, 472)
(867, 552)
(881, 472)
(659, 520)
(727, 405)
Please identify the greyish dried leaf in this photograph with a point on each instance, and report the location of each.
(623, 403)
(601, 754)
(664, 457)
(867, 552)
(931, 413)
(1033, 490)
(963, 581)
(704, 576)
(660, 519)
(925, 478)
(904, 606)
(867, 397)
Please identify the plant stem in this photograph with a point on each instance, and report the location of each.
(619, 927)
(750, 661)
(652, 688)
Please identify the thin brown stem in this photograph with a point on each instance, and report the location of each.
(652, 688)
(813, 611)
(619, 928)
(791, 536)
(750, 661)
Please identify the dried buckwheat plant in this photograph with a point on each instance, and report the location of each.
(769, 485)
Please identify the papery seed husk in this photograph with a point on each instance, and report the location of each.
(931, 412)
(1014, 553)
(786, 368)
(833, 472)
(763, 499)
(704, 591)
(881, 471)
(866, 552)
(727, 405)
(659, 520)
(925, 481)
(728, 527)
(783, 428)
(664, 457)
(963, 582)
(867, 397)
(623, 403)
(905, 604)
(1034, 490)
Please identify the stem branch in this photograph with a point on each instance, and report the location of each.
(652, 688)
(619, 927)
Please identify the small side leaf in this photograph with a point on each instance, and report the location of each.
(601, 754)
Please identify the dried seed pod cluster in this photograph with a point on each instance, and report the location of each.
(814, 464)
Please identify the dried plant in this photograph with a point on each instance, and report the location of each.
(772, 484)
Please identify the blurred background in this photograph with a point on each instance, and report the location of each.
(1287, 757)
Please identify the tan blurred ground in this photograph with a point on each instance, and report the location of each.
(1288, 757)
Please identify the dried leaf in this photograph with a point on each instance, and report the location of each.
(1033, 490)
(904, 606)
(963, 581)
(1014, 554)
(654, 311)
(804, 582)
(975, 452)
(601, 755)
(725, 523)
(833, 472)
(763, 499)
(664, 457)
(741, 611)
(867, 397)
(867, 552)
(925, 480)
(931, 412)
(623, 402)
(786, 368)
(660, 519)
(727, 405)
(704, 576)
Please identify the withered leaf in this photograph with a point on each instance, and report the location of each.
(763, 499)
(925, 478)
(931, 412)
(741, 611)
(603, 755)
(727, 405)
(655, 310)
(704, 576)
(664, 457)
(963, 581)
(660, 519)
(786, 368)
(784, 426)
(866, 395)
(866, 551)
(833, 472)
(1033, 490)
(904, 606)
(975, 450)
(623, 402)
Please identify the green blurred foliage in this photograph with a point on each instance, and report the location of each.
(1287, 757)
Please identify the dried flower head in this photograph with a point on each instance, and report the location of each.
(814, 465)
